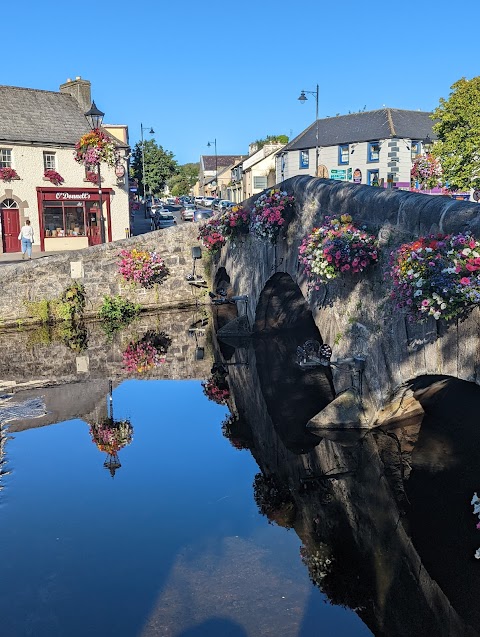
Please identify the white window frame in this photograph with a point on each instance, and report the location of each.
(6, 158)
(46, 160)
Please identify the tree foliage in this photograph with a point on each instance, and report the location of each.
(160, 165)
(183, 181)
(458, 132)
(271, 139)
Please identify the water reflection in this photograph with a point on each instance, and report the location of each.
(380, 523)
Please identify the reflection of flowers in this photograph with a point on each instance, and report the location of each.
(142, 266)
(235, 431)
(270, 212)
(274, 500)
(146, 353)
(318, 562)
(95, 147)
(216, 388)
(337, 247)
(436, 276)
(111, 435)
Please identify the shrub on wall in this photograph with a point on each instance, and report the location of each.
(337, 247)
(436, 276)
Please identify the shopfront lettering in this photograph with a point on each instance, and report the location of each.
(68, 195)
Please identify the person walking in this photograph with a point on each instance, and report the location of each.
(26, 237)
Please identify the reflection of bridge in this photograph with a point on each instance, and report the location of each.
(352, 315)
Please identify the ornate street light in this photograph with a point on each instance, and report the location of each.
(216, 164)
(302, 99)
(94, 118)
(150, 132)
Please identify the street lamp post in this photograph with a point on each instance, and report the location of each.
(216, 164)
(94, 118)
(303, 98)
(150, 132)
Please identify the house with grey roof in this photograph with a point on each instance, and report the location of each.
(40, 179)
(370, 147)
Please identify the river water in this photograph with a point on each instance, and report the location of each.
(133, 504)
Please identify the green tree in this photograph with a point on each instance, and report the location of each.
(160, 165)
(271, 139)
(458, 131)
(183, 181)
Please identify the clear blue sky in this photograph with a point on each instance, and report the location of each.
(234, 70)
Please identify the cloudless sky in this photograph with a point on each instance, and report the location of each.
(232, 71)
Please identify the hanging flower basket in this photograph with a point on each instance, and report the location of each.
(272, 212)
(146, 353)
(111, 435)
(235, 223)
(142, 267)
(8, 174)
(427, 172)
(54, 177)
(437, 276)
(94, 148)
(335, 248)
(210, 234)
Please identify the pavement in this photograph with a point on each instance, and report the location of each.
(139, 225)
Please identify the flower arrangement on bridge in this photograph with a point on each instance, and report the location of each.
(335, 248)
(210, 234)
(146, 353)
(95, 147)
(271, 213)
(236, 432)
(111, 435)
(427, 171)
(8, 174)
(216, 388)
(235, 222)
(437, 276)
(54, 177)
(142, 267)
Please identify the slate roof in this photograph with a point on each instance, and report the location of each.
(222, 161)
(363, 127)
(44, 117)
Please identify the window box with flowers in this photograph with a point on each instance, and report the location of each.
(8, 174)
(337, 247)
(54, 177)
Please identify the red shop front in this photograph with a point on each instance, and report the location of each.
(69, 218)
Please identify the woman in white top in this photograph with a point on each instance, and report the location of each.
(26, 237)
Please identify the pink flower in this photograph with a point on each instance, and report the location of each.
(465, 280)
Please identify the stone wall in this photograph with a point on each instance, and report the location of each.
(96, 268)
(353, 315)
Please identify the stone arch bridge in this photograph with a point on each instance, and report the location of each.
(353, 314)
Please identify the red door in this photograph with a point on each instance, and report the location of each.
(10, 229)
(94, 230)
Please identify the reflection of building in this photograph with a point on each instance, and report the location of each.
(38, 132)
(373, 148)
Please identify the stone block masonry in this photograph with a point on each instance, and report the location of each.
(96, 267)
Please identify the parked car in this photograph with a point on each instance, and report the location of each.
(164, 220)
(188, 213)
(215, 203)
(170, 201)
(224, 204)
(207, 201)
(199, 200)
(202, 215)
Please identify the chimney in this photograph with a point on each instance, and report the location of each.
(80, 90)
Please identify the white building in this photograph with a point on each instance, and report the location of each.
(373, 148)
(38, 132)
(255, 173)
